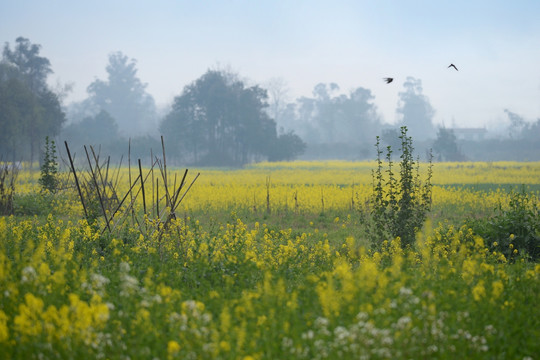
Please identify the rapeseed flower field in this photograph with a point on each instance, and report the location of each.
(272, 262)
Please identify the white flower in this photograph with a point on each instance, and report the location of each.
(308, 335)
(403, 322)
(124, 267)
(206, 318)
(321, 322)
(405, 291)
(286, 342)
(129, 284)
(341, 333)
(28, 274)
(362, 316)
(387, 340)
(99, 281)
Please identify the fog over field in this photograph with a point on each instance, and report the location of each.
(322, 63)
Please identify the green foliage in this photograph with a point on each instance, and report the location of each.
(400, 202)
(445, 146)
(123, 95)
(33, 68)
(514, 230)
(218, 121)
(331, 117)
(416, 110)
(8, 176)
(288, 146)
(239, 289)
(33, 204)
(49, 168)
(99, 129)
(29, 110)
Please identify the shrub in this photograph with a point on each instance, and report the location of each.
(399, 204)
(513, 230)
(33, 204)
(8, 175)
(49, 168)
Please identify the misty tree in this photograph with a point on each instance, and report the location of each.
(445, 146)
(327, 112)
(288, 147)
(29, 110)
(330, 117)
(298, 117)
(278, 95)
(17, 111)
(92, 130)
(416, 110)
(521, 129)
(360, 118)
(390, 137)
(217, 120)
(32, 68)
(517, 124)
(533, 131)
(124, 97)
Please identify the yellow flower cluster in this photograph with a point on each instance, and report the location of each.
(240, 289)
(225, 292)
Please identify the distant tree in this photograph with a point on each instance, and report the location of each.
(445, 146)
(533, 131)
(300, 118)
(278, 94)
(390, 137)
(331, 117)
(327, 110)
(124, 97)
(360, 118)
(100, 129)
(288, 147)
(416, 110)
(30, 110)
(33, 68)
(17, 110)
(517, 124)
(218, 121)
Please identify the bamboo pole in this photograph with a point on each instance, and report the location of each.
(76, 179)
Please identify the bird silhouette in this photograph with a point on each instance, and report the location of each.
(454, 66)
(388, 80)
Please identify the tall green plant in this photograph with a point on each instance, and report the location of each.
(400, 204)
(8, 175)
(49, 168)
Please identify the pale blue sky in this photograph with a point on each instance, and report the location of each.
(495, 45)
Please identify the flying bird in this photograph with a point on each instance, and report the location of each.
(388, 80)
(454, 66)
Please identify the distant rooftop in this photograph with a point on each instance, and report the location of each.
(469, 133)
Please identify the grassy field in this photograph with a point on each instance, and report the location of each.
(274, 262)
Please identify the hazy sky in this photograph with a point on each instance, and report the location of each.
(495, 44)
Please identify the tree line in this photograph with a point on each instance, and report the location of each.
(217, 120)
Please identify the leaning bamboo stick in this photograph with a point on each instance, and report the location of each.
(76, 180)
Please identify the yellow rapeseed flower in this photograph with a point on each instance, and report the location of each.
(479, 291)
(4, 331)
(497, 288)
(172, 348)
